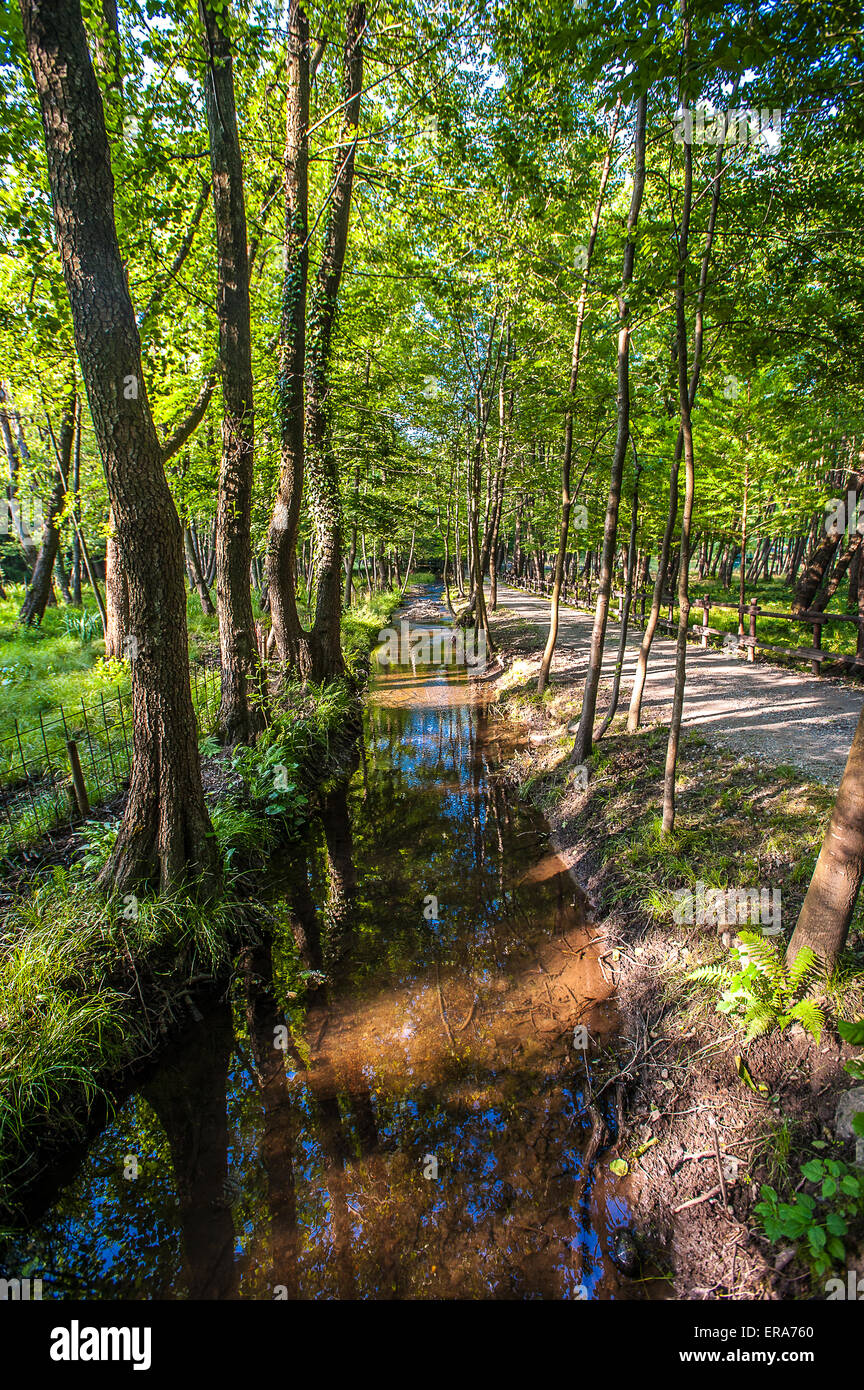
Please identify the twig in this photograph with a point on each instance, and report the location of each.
(720, 1169)
(694, 1201)
(447, 1028)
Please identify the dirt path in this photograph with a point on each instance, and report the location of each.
(775, 714)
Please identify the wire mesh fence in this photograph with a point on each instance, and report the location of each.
(75, 757)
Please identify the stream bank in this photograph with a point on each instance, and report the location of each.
(684, 1081)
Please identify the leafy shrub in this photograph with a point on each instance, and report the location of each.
(816, 1224)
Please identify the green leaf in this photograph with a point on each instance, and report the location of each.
(852, 1032)
(619, 1167)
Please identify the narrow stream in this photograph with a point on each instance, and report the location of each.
(416, 1129)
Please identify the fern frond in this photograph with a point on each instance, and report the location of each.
(810, 1016)
(802, 968)
(766, 956)
(758, 1019)
(714, 975)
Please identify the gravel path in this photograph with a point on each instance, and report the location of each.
(775, 714)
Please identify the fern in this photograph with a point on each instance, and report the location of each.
(810, 1016)
(802, 968)
(756, 985)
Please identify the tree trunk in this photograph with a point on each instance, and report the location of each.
(165, 832)
(635, 711)
(625, 614)
(197, 577)
(823, 922)
(19, 520)
(324, 498)
(62, 576)
(566, 461)
(76, 510)
(689, 476)
(39, 589)
(240, 713)
(284, 523)
(584, 736)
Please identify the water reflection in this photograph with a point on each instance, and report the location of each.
(388, 1104)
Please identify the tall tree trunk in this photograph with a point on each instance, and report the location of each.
(62, 576)
(165, 832)
(19, 519)
(284, 523)
(584, 735)
(117, 619)
(240, 712)
(76, 510)
(689, 473)
(39, 589)
(197, 577)
(324, 498)
(352, 550)
(625, 615)
(634, 712)
(566, 461)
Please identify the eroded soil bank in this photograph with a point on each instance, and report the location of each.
(739, 822)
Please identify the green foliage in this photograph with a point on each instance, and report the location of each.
(854, 1033)
(97, 842)
(362, 622)
(83, 625)
(278, 770)
(758, 988)
(70, 1001)
(816, 1224)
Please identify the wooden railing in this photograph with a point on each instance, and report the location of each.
(583, 594)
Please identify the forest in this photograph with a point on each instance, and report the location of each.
(431, 651)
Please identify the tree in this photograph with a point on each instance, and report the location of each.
(165, 833)
(282, 534)
(239, 715)
(823, 922)
(39, 588)
(584, 734)
(325, 644)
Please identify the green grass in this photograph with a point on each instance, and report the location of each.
(73, 973)
(362, 622)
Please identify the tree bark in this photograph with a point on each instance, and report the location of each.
(165, 833)
(39, 590)
(325, 502)
(241, 711)
(282, 534)
(566, 461)
(584, 736)
(823, 922)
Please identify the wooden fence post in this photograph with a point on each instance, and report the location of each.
(817, 646)
(751, 649)
(78, 778)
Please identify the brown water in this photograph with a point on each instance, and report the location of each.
(416, 1128)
